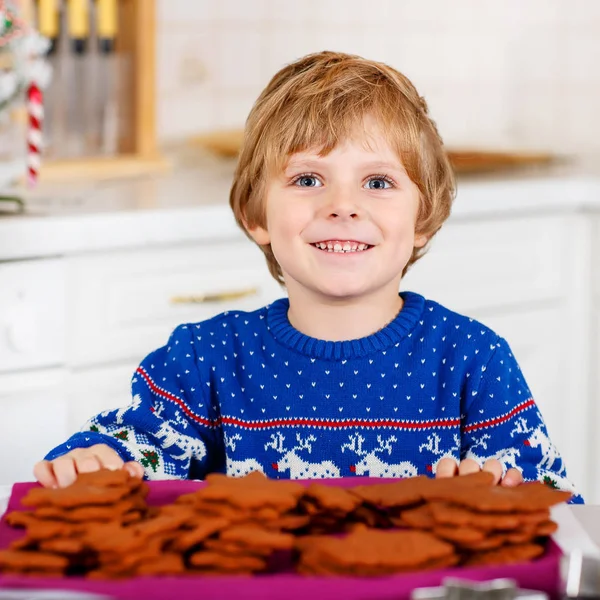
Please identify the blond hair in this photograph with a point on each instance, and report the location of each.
(319, 101)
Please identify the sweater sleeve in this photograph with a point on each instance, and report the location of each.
(171, 427)
(501, 420)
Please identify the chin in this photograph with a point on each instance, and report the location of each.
(341, 292)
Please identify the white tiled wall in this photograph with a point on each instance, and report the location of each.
(496, 73)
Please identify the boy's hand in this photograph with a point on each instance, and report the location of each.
(62, 471)
(447, 467)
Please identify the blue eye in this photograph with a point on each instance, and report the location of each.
(307, 181)
(378, 183)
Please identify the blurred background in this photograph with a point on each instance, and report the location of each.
(119, 128)
(132, 79)
(512, 74)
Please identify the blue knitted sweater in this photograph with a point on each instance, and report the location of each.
(246, 391)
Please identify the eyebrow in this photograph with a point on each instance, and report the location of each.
(375, 165)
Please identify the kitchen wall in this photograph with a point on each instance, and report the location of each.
(497, 73)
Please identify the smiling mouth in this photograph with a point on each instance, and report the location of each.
(341, 247)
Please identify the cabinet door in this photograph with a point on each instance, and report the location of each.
(32, 315)
(34, 420)
(91, 391)
(594, 423)
(537, 340)
(123, 305)
(504, 262)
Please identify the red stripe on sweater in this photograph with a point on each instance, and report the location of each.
(172, 398)
(331, 424)
(502, 419)
(299, 421)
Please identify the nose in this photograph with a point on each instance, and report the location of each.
(343, 213)
(342, 205)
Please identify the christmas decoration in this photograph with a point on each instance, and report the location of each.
(10, 25)
(24, 73)
(35, 112)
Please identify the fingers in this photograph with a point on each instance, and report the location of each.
(468, 466)
(513, 478)
(44, 473)
(88, 464)
(106, 457)
(446, 467)
(495, 467)
(63, 471)
(134, 469)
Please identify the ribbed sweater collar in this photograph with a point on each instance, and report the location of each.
(391, 334)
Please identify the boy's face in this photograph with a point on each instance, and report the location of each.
(359, 199)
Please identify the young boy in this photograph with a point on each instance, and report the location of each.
(342, 181)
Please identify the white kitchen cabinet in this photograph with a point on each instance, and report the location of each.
(125, 304)
(96, 317)
(500, 262)
(537, 339)
(516, 275)
(34, 419)
(536, 344)
(91, 391)
(509, 274)
(593, 424)
(32, 314)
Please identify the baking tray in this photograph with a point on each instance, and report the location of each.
(541, 574)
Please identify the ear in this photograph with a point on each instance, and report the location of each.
(259, 234)
(420, 240)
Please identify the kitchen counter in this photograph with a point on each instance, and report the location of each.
(191, 205)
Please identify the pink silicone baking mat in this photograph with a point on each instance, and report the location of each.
(541, 574)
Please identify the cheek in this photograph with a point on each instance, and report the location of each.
(401, 224)
(277, 227)
(281, 235)
(287, 222)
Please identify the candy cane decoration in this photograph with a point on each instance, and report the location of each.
(35, 112)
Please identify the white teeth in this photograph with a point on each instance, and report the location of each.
(341, 246)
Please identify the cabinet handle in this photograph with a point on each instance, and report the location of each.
(213, 298)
